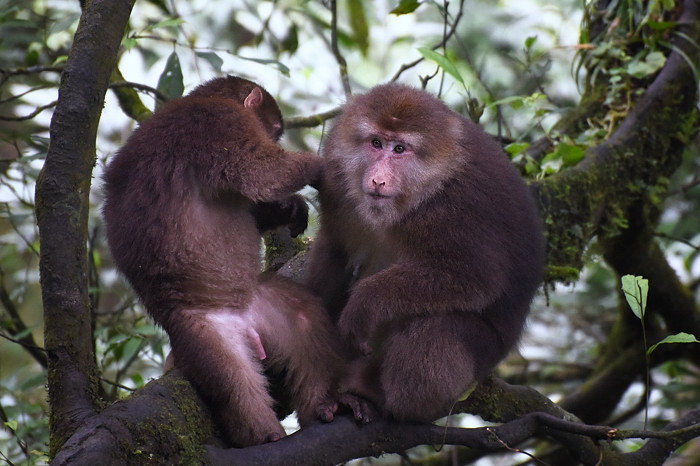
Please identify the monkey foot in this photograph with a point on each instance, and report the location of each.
(326, 411)
(273, 437)
(362, 409)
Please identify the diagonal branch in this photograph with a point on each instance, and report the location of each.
(591, 197)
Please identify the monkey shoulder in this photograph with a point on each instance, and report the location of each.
(202, 119)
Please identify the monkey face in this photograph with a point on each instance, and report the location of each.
(393, 148)
(388, 173)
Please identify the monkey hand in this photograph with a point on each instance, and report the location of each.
(323, 410)
(298, 215)
(315, 172)
(356, 327)
(362, 410)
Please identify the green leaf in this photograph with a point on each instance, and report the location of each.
(655, 60)
(23, 333)
(405, 7)
(530, 41)
(264, 61)
(132, 346)
(571, 154)
(551, 163)
(291, 42)
(444, 63)
(652, 63)
(681, 337)
(214, 60)
(358, 24)
(661, 25)
(12, 425)
(517, 148)
(33, 382)
(138, 380)
(170, 82)
(636, 289)
(129, 43)
(172, 22)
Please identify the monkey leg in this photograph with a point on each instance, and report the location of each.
(428, 362)
(298, 335)
(218, 352)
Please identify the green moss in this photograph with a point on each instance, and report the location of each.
(563, 274)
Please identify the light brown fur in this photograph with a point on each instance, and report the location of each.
(186, 199)
(429, 252)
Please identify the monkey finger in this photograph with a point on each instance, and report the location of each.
(273, 437)
(299, 217)
(365, 349)
(327, 413)
(362, 410)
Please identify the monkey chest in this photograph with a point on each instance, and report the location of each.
(371, 258)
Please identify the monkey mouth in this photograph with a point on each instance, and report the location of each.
(379, 200)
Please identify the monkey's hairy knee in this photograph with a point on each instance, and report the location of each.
(422, 376)
(300, 337)
(215, 351)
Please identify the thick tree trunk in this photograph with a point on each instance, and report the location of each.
(62, 211)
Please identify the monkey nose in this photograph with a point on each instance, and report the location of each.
(377, 184)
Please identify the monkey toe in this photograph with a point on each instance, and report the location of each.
(326, 411)
(273, 437)
(362, 410)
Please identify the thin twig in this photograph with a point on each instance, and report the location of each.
(37, 111)
(445, 38)
(312, 120)
(336, 51)
(140, 87)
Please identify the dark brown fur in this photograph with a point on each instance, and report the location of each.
(186, 198)
(429, 253)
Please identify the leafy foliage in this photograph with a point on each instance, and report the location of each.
(517, 86)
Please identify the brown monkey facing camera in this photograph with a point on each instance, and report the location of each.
(430, 250)
(186, 197)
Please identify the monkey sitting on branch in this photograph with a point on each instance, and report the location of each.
(429, 253)
(186, 197)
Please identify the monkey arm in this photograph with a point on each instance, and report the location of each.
(291, 211)
(409, 289)
(277, 173)
(236, 154)
(327, 275)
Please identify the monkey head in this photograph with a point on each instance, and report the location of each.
(250, 95)
(394, 147)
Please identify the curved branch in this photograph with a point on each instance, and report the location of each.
(163, 423)
(589, 198)
(312, 120)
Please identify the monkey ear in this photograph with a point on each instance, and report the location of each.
(254, 99)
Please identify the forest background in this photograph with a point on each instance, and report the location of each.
(596, 103)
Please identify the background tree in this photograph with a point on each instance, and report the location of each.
(611, 149)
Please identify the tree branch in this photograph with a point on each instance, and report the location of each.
(163, 423)
(591, 197)
(62, 205)
(16, 326)
(336, 51)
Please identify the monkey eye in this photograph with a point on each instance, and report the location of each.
(399, 148)
(376, 143)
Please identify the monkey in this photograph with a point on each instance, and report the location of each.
(186, 199)
(429, 253)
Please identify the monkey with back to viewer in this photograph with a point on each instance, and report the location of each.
(187, 197)
(429, 253)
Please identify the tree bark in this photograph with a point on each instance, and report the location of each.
(578, 203)
(62, 212)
